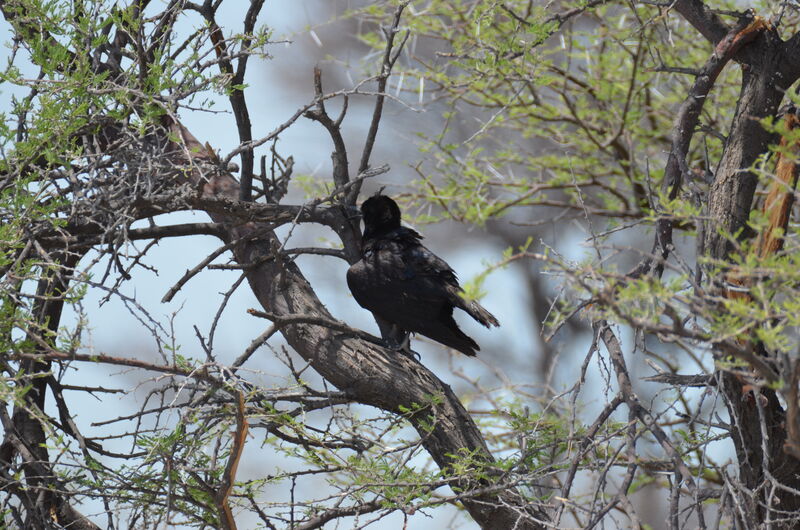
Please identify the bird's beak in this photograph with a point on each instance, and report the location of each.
(352, 212)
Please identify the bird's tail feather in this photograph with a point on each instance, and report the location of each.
(459, 341)
(479, 313)
(448, 333)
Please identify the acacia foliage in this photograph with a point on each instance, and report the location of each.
(629, 119)
(550, 116)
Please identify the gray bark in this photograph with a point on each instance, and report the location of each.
(757, 417)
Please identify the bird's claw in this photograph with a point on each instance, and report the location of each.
(403, 347)
(410, 353)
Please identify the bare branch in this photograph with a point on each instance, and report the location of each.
(390, 56)
(627, 392)
(229, 476)
(341, 174)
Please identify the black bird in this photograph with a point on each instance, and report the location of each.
(406, 286)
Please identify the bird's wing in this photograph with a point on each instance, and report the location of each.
(433, 278)
(397, 270)
(407, 285)
(419, 262)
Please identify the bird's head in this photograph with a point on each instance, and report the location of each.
(381, 214)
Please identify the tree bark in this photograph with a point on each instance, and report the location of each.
(731, 195)
(756, 415)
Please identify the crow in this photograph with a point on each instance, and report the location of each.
(406, 286)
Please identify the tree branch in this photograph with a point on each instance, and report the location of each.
(703, 19)
(390, 56)
(341, 172)
(683, 130)
(236, 97)
(632, 400)
(229, 476)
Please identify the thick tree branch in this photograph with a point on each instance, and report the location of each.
(764, 83)
(703, 19)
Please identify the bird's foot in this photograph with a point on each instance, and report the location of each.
(403, 347)
(408, 352)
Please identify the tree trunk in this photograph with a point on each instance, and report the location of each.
(756, 416)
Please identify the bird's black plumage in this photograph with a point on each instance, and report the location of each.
(406, 286)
